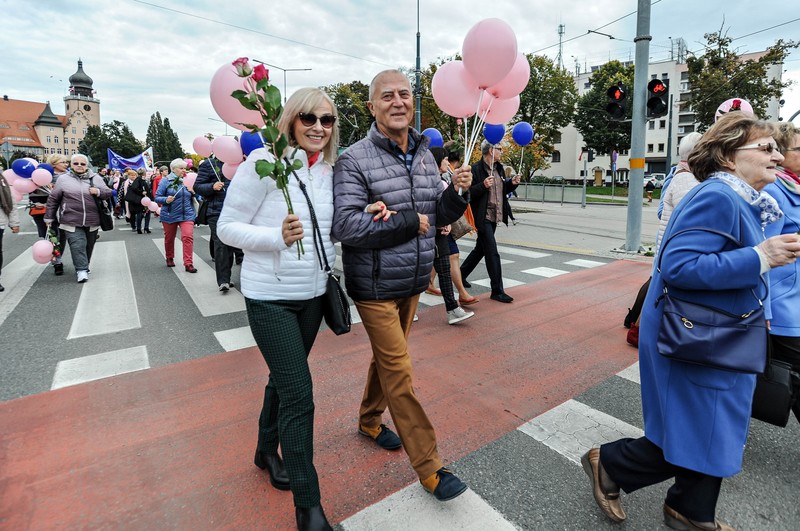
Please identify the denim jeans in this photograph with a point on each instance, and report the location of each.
(81, 246)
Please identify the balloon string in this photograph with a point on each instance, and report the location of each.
(521, 155)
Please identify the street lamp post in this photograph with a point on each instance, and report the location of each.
(284, 74)
(226, 125)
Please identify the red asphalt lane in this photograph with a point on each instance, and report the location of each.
(171, 447)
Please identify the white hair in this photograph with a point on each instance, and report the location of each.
(687, 144)
(177, 163)
(79, 156)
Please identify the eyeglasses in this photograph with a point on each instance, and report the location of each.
(79, 164)
(769, 148)
(498, 148)
(309, 119)
(784, 150)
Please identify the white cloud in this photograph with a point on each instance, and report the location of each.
(145, 59)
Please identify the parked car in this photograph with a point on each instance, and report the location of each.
(657, 178)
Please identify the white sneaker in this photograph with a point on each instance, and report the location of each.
(416, 318)
(458, 315)
(223, 287)
(83, 276)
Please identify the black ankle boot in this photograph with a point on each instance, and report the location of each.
(273, 464)
(312, 519)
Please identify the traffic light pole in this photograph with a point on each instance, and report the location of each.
(633, 231)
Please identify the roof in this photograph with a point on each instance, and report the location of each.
(17, 120)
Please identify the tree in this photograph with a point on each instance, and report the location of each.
(116, 136)
(721, 74)
(163, 139)
(591, 119)
(354, 116)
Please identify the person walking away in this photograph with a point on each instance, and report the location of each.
(213, 187)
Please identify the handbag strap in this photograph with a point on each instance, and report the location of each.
(319, 248)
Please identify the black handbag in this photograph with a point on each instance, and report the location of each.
(335, 306)
(202, 213)
(776, 391)
(105, 212)
(703, 335)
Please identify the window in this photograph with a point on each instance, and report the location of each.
(649, 148)
(661, 148)
(557, 138)
(51, 129)
(73, 141)
(48, 139)
(84, 131)
(55, 139)
(556, 156)
(664, 76)
(651, 125)
(662, 124)
(581, 174)
(73, 131)
(59, 151)
(653, 76)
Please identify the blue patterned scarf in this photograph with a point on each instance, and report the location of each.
(770, 211)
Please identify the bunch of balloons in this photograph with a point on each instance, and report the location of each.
(487, 83)
(25, 175)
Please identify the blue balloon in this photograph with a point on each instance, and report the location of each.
(522, 133)
(435, 136)
(47, 167)
(23, 168)
(250, 141)
(494, 133)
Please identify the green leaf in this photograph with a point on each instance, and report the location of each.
(239, 94)
(262, 84)
(264, 168)
(248, 105)
(274, 97)
(271, 134)
(297, 164)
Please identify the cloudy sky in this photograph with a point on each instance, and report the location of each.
(160, 55)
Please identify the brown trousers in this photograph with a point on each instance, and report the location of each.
(389, 381)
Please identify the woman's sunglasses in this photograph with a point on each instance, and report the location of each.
(309, 119)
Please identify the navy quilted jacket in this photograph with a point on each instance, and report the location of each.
(389, 260)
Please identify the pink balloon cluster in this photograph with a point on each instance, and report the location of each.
(489, 79)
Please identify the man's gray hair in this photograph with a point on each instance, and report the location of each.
(486, 147)
(375, 79)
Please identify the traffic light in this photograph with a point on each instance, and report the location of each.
(616, 105)
(657, 98)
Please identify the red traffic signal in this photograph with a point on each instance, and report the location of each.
(657, 98)
(616, 106)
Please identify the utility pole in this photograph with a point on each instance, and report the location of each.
(669, 136)
(418, 89)
(633, 241)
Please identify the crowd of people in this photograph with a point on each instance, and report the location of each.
(738, 178)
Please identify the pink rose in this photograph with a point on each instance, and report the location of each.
(243, 68)
(260, 72)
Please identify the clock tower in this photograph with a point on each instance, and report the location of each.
(82, 109)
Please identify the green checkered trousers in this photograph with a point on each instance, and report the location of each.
(285, 332)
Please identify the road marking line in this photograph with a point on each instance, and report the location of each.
(430, 300)
(413, 508)
(202, 286)
(572, 428)
(503, 249)
(108, 301)
(507, 282)
(631, 373)
(584, 263)
(235, 338)
(18, 277)
(97, 366)
(547, 272)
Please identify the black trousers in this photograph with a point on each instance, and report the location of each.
(285, 332)
(485, 247)
(223, 254)
(787, 348)
(636, 463)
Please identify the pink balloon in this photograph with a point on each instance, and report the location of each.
(514, 82)
(454, 90)
(10, 176)
(189, 179)
(24, 186)
(189, 162)
(158, 211)
(229, 170)
(16, 195)
(489, 51)
(202, 146)
(146, 201)
(500, 111)
(153, 206)
(228, 108)
(41, 177)
(42, 251)
(227, 149)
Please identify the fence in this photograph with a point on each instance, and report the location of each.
(550, 193)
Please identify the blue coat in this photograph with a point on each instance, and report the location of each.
(784, 287)
(697, 415)
(181, 209)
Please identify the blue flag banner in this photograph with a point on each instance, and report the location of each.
(143, 160)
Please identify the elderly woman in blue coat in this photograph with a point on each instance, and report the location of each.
(178, 211)
(696, 418)
(784, 284)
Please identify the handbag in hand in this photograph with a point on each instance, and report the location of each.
(202, 213)
(460, 227)
(105, 212)
(703, 335)
(776, 391)
(335, 306)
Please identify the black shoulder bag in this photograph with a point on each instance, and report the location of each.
(202, 211)
(104, 211)
(695, 333)
(335, 307)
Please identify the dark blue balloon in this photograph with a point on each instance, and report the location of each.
(522, 133)
(494, 133)
(47, 167)
(250, 141)
(23, 168)
(435, 136)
